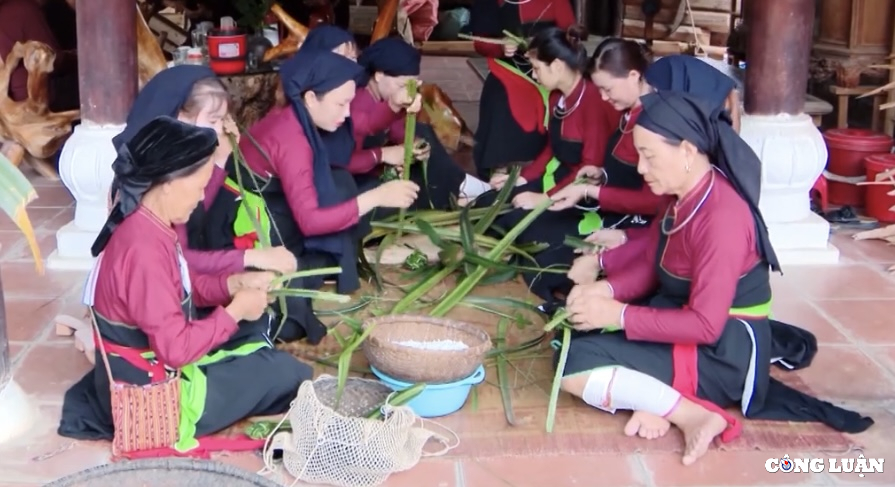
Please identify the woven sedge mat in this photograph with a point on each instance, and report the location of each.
(579, 429)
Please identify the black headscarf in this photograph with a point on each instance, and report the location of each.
(686, 74)
(164, 94)
(318, 71)
(680, 116)
(159, 149)
(339, 144)
(392, 57)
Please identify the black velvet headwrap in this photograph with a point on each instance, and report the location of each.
(318, 71)
(158, 151)
(679, 116)
(392, 57)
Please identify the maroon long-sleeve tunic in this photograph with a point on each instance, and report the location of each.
(712, 251)
(139, 283)
(282, 139)
(586, 127)
(211, 261)
(623, 198)
(370, 116)
(21, 21)
(557, 12)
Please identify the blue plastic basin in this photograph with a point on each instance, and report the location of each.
(437, 399)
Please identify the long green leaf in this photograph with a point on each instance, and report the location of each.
(310, 294)
(466, 285)
(506, 395)
(409, 141)
(557, 377)
(345, 361)
(502, 197)
(16, 192)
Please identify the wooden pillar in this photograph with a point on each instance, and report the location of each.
(107, 79)
(107, 60)
(778, 51)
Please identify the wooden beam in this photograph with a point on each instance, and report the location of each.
(779, 48)
(107, 66)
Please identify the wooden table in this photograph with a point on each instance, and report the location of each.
(843, 95)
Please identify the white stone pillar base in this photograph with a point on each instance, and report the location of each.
(18, 413)
(793, 155)
(85, 167)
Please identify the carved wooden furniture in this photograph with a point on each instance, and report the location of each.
(850, 29)
(28, 129)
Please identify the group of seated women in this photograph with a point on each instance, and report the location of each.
(678, 330)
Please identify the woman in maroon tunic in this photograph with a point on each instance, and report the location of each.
(617, 68)
(578, 131)
(143, 297)
(513, 106)
(378, 114)
(680, 358)
(194, 94)
(311, 207)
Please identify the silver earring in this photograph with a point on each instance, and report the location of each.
(687, 166)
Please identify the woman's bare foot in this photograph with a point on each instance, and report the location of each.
(700, 427)
(647, 425)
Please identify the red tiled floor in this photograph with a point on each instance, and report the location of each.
(52, 197)
(43, 455)
(801, 313)
(547, 471)
(868, 321)
(46, 242)
(429, 473)
(34, 214)
(885, 355)
(719, 468)
(838, 282)
(48, 370)
(844, 372)
(20, 279)
(27, 318)
(863, 250)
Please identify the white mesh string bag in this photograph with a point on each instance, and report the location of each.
(348, 450)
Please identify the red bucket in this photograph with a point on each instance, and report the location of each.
(878, 201)
(847, 149)
(227, 51)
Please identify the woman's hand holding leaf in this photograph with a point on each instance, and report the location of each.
(592, 307)
(568, 197)
(247, 304)
(585, 269)
(397, 194)
(277, 259)
(607, 238)
(529, 200)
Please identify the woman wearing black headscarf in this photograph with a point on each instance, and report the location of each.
(143, 297)
(301, 200)
(378, 114)
(705, 318)
(678, 73)
(194, 94)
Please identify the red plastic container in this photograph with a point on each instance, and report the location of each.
(227, 51)
(878, 201)
(847, 149)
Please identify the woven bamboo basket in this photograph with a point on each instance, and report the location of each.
(425, 349)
